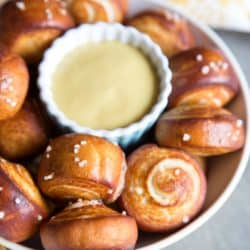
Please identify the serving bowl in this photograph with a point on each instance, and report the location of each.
(224, 172)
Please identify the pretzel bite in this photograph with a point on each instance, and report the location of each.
(28, 27)
(14, 83)
(202, 76)
(90, 11)
(170, 31)
(201, 130)
(21, 206)
(82, 166)
(164, 190)
(25, 134)
(89, 225)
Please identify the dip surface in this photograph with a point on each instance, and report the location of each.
(105, 85)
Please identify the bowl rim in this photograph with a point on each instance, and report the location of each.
(213, 209)
(221, 200)
(137, 40)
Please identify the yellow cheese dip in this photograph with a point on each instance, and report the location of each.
(105, 85)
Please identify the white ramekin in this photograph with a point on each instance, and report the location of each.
(96, 33)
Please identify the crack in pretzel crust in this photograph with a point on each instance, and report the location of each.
(21, 203)
(75, 226)
(202, 76)
(28, 27)
(200, 130)
(167, 29)
(82, 166)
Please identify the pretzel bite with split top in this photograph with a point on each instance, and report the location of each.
(82, 166)
(202, 76)
(201, 130)
(90, 11)
(89, 225)
(164, 190)
(28, 27)
(169, 30)
(22, 208)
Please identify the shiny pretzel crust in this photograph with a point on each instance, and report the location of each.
(167, 29)
(201, 130)
(82, 166)
(90, 11)
(89, 226)
(165, 188)
(21, 203)
(30, 28)
(202, 76)
(14, 83)
(25, 134)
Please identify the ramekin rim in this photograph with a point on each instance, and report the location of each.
(157, 108)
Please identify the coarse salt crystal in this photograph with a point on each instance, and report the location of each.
(95, 202)
(199, 57)
(185, 219)
(82, 163)
(20, 5)
(39, 217)
(63, 11)
(49, 177)
(48, 149)
(205, 70)
(2, 214)
(213, 65)
(17, 200)
(186, 137)
(177, 172)
(110, 191)
(225, 66)
(239, 123)
(83, 142)
(49, 14)
(77, 159)
(139, 190)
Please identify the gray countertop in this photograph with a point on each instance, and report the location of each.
(229, 229)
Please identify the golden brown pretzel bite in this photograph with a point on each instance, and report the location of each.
(200, 130)
(25, 134)
(82, 166)
(165, 188)
(89, 225)
(21, 206)
(202, 76)
(14, 83)
(170, 31)
(28, 27)
(90, 11)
